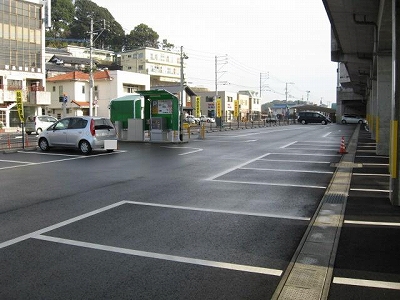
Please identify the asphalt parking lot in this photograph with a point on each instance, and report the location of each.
(230, 232)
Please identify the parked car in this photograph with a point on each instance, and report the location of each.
(207, 119)
(84, 133)
(191, 119)
(353, 119)
(306, 117)
(38, 123)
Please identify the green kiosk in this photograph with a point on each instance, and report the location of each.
(155, 111)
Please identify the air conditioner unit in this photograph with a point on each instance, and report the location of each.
(7, 67)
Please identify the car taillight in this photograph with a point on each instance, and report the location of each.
(92, 131)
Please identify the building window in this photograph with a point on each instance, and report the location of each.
(54, 88)
(209, 99)
(140, 67)
(83, 89)
(230, 99)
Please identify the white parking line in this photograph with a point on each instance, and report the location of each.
(39, 234)
(58, 225)
(237, 167)
(291, 171)
(73, 157)
(186, 153)
(273, 184)
(174, 258)
(394, 224)
(233, 212)
(367, 283)
(290, 144)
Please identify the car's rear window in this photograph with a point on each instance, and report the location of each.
(102, 124)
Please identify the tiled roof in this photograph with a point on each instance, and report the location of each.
(81, 76)
(82, 104)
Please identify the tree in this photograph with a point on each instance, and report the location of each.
(108, 34)
(142, 36)
(62, 15)
(165, 45)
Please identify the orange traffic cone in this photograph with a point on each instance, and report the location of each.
(342, 149)
(9, 142)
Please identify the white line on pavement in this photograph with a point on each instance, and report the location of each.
(273, 184)
(372, 223)
(237, 167)
(367, 283)
(58, 225)
(291, 171)
(233, 212)
(174, 258)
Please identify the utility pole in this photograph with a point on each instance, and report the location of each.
(91, 79)
(91, 83)
(182, 94)
(181, 102)
(224, 61)
(308, 94)
(286, 91)
(263, 86)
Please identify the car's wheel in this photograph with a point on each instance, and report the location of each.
(323, 122)
(39, 130)
(44, 144)
(303, 122)
(85, 147)
(360, 122)
(343, 121)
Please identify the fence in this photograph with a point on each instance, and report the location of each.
(17, 140)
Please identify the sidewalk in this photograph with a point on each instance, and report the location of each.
(351, 249)
(367, 264)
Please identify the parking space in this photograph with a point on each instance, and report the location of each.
(139, 236)
(233, 239)
(21, 158)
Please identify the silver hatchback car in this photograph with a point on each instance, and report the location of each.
(84, 133)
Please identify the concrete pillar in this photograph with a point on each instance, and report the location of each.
(384, 104)
(372, 108)
(395, 88)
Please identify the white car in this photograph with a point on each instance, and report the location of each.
(353, 119)
(207, 119)
(83, 133)
(37, 124)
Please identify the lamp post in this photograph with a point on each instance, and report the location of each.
(91, 70)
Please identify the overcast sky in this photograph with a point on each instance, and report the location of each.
(287, 41)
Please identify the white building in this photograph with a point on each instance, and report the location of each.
(254, 105)
(108, 85)
(22, 62)
(163, 66)
(207, 100)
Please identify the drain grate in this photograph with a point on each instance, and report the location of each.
(333, 198)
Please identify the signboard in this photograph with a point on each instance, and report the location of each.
(198, 110)
(236, 109)
(219, 109)
(161, 107)
(20, 106)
